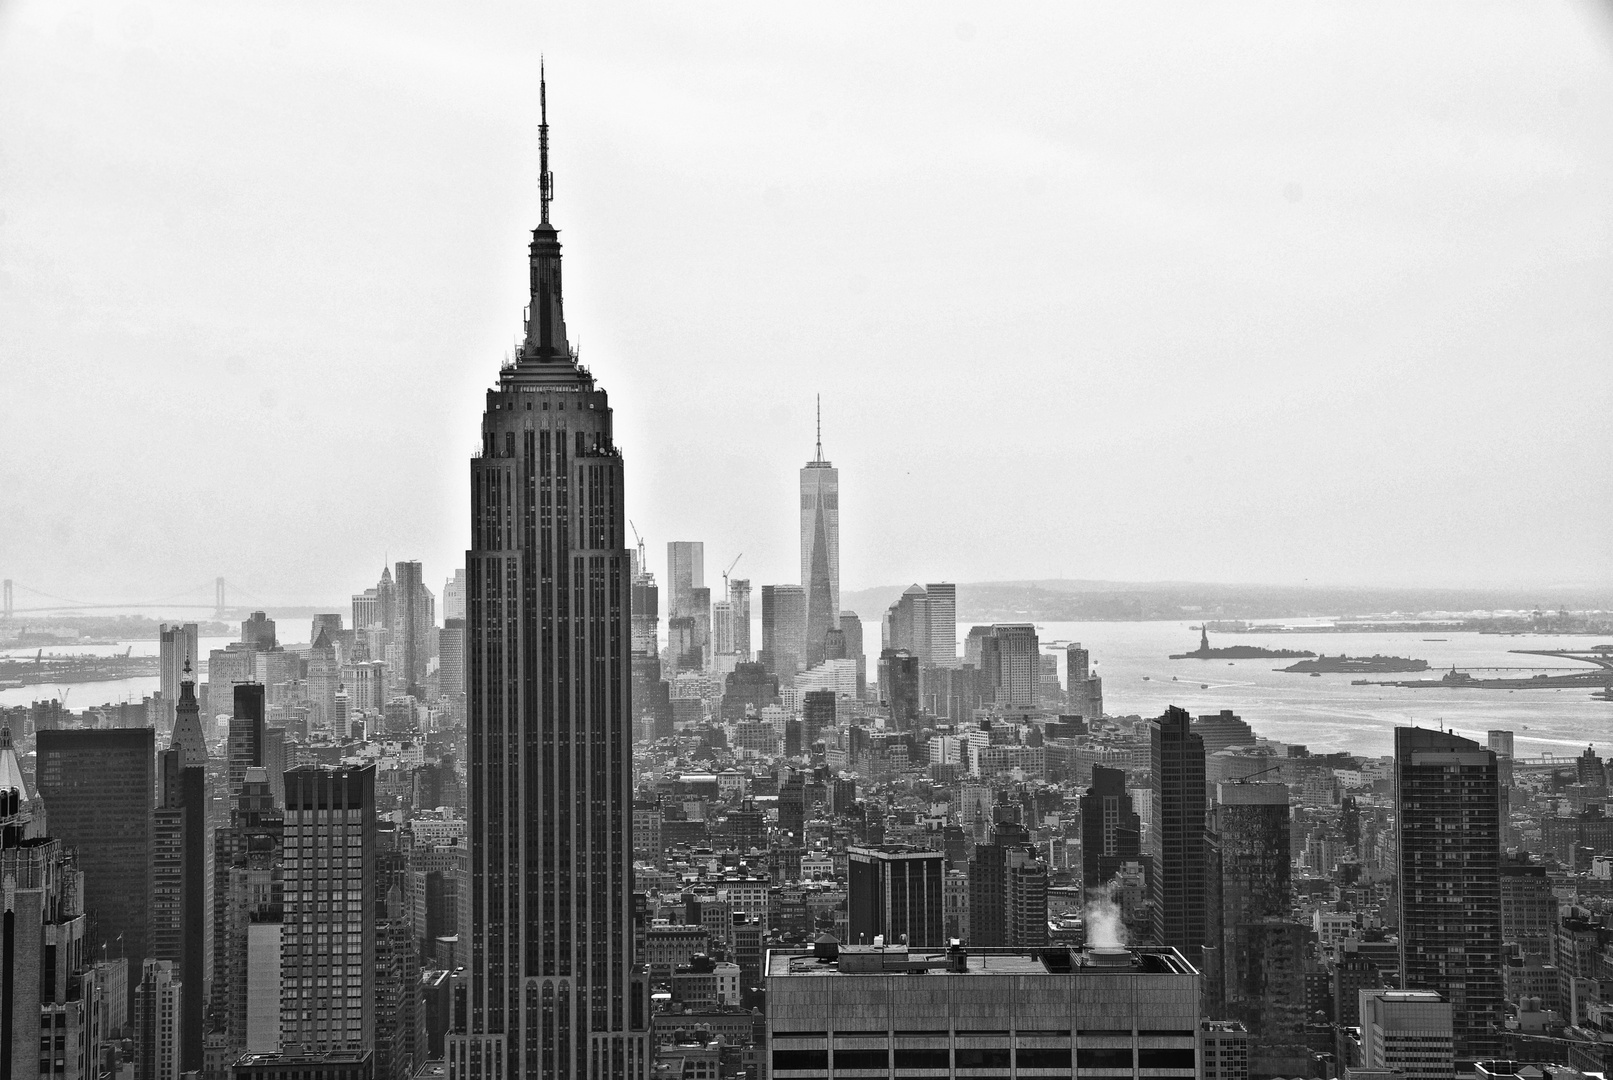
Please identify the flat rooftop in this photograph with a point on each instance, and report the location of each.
(853, 960)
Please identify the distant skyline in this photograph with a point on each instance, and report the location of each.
(1259, 293)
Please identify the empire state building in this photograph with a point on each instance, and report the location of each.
(552, 990)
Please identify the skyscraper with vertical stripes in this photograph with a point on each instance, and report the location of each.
(552, 991)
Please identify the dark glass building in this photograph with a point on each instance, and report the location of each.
(551, 986)
(180, 922)
(894, 891)
(98, 787)
(1178, 890)
(246, 733)
(1448, 825)
(1111, 830)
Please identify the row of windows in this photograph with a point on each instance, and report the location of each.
(1117, 1058)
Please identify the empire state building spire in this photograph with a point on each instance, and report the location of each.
(546, 319)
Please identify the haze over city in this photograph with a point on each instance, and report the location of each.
(1259, 294)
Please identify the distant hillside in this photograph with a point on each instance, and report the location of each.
(1061, 600)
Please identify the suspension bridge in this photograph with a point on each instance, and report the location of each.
(39, 602)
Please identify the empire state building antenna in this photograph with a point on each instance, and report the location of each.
(545, 177)
(820, 427)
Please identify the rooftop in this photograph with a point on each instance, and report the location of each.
(899, 959)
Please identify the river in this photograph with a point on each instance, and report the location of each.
(1325, 713)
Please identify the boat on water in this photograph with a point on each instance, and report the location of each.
(1204, 686)
(1316, 674)
(1145, 678)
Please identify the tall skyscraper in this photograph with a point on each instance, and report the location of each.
(894, 892)
(327, 954)
(1007, 890)
(451, 659)
(248, 920)
(180, 927)
(97, 786)
(1011, 664)
(820, 550)
(1180, 881)
(1448, 833)
(158, 1005)
(907, 623)
(646, 611)
(851, 627)
(245, 745)
(941, 603)
(257, 630)
(1261, 951)
(178, 645)
(739, 600)
(453, 596)
(783, 629)
(1111, 832)
(45, 949)
(413, 617)
(551, 987)
(324, 676)
(685, 572)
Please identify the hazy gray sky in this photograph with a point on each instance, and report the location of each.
(1239, 293)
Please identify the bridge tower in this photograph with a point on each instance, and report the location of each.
(5, 600)
(218, 598)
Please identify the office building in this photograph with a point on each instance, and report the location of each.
(1261, 951)
(644, 603)
(453, 597)
(248, 919)
(98, 787)
(899, 683)
(907, 623)
(1082, 688)
(53, 1012)
(820, 551)
(1111, 831)
(327, 954)
(783, 629)
(245, 743)
(685, 572)
(1010, 665)
(1007, 891)
(722, 630)
(739, 600)
(257, 631)
(851, 629)
(324, 677)
(181, 930)
(1408, 1031)
(941, 607)
(894, 895)
(451, 659)
(551, 989)
(817, 715)
(1180, 882)
(1223, 1050)
(178, 646)
(1448, 838)
(413, 617)
(228, 668)
(980, 1012)
(158, 1001)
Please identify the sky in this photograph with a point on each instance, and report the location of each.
(1271, 293)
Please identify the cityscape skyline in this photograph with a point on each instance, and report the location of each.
(536, 808)
(1243, 378)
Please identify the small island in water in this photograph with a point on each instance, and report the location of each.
(1236, 652)
(1342, 663)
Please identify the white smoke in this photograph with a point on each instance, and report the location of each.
(1105, 928)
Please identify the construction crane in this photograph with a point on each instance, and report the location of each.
(640, 540)
(725, 573)
(1244, 779)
